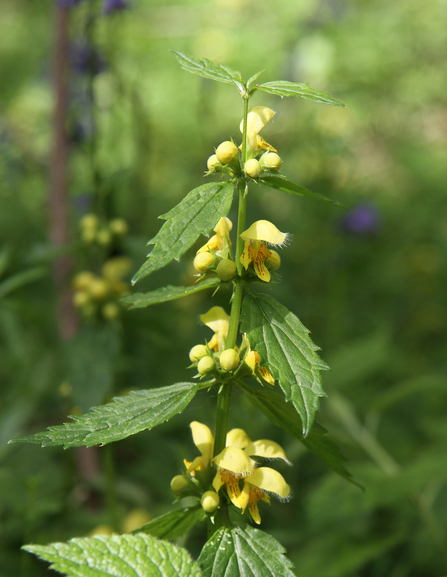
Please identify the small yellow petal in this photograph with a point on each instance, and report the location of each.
(262, 271)
(265, 448)
(203, 440)
(223, 226)
(269, 480)
(265, 231)
(216, 319)
(257, 118)
(235, 460)
(251, 360)
(237, 438)
(245, 256)
(267, 375)
(254, 512)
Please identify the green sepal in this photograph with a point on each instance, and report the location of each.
(283, 342)
(208, 69)
(302, 90)
(121, 418)
(167, 293)
(112, 555)
(197, 214)
(173, 524)
(285, 416)
(279, 182)
(244, 552)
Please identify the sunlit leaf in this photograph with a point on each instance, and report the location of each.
(244, 552)
(123, 555)
(123, 417)
(207, 69)
(167, 293)
(198, 213)
(173, 524)
(303, 90)
(283, 343)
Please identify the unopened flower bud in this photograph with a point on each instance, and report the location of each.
(209, 501)
(273, 161)
(274, 260)
(253, 168)
(110, 311)
(211, 162)
(205, 365)
(88, 235)
(178, 483)
(103, 237)
(203, 261)
(229, 360)
(226, 151)
(89, 221)
(98, 288)
(226, 269)
(80, 299)
(197, 352)
(118, 226)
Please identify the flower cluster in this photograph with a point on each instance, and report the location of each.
(261, 157)
(102, 234)
(238, 473)
(98, 295)
(214, 357)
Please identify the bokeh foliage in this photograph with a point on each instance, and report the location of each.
(369, 282)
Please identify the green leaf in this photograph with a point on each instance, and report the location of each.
(281, 183)
(207, 69)
(117, 555)
(124, 416)
(303, 90)
(284, 415)
(198, 213)
(244, 552)
(173, 524)
(167, 293)
(283, 342)
(21, 279)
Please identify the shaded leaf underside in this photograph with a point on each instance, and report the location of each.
(302, 90)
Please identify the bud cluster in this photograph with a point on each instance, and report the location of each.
(93, 231)
(208, 361)
(96, 295)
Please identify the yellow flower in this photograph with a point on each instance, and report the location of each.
(221, 240)
(203, 440)
(235, 463)
(252, 359)
(218, 321)
(257, 118)
(255, 250)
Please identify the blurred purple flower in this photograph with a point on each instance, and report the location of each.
(110, 6)
(85, 59)
(68, 3)
(363, 219)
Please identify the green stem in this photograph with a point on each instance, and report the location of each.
(224, 394)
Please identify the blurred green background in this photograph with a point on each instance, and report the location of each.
(369, 282)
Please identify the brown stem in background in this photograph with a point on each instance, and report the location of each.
(87, 459)
(58, 209)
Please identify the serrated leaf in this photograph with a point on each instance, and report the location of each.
(117, 555)
(279, 182)
(284, 343)
(173, 524)
(123, 417)
(167, 293)
(198, 213)
(285, 416)
(244, 552)
(207, 69)
(303, 90)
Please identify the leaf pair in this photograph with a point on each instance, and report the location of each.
(239, 552)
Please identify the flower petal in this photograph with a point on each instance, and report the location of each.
(266, 231)
(217, 320)
(257, 118)
(237, 438)
(235, 460)
(266, 374)
(269, 480)
(203, 440)
(267, 449)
